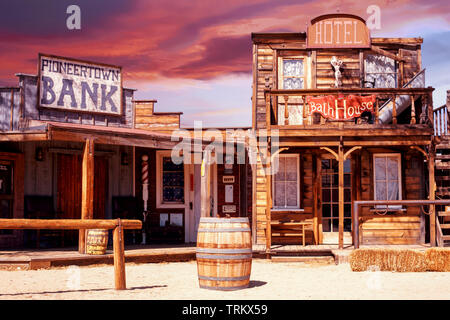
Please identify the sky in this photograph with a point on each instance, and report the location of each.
(194, 56)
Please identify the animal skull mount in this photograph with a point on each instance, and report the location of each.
(337, 64)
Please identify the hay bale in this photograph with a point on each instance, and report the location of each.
(438, 259)
(399, 260)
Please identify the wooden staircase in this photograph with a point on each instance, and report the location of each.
(442, 176)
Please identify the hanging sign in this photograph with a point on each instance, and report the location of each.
(342, 107)
(338, 31)
(81, 86)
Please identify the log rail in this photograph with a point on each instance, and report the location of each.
(116, 225)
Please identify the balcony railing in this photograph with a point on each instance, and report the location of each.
(389, 103)
(441, 121)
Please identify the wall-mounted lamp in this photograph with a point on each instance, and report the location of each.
(124, 159)
(39, 154)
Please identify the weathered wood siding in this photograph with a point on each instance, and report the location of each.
(399, 228)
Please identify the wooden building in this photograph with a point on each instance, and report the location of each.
(348, 117)
(75, 144)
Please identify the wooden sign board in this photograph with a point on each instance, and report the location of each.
(228, 179)
(338, 31)
(228, 208)
(81, 86)
(343, 107)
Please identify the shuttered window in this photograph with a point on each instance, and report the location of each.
(286, 191)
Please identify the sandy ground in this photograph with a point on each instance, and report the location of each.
(287, 281)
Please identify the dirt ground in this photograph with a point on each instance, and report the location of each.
(269, 281)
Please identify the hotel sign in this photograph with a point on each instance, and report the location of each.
(338, 31)
(81, 86)
(342, 107)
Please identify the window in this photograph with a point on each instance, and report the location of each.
(380, 72)
(291, 77)
(387, 177)
(170, 181)
(286, 191)
(293, 74)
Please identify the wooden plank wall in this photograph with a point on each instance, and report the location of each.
(350, 70)
(399, 228)
(146, 118)
(265, 78)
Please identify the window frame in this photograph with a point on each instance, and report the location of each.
(160, 154)
(281, 73)
(299, 206)
(384, 155)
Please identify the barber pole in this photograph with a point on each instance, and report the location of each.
(144, 192)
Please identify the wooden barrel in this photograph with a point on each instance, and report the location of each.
(96, 241)
(224, 253)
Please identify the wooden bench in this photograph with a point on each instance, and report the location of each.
(290, 233)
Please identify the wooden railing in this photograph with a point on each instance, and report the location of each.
(298, 97)
(117, 225)
(441, 121)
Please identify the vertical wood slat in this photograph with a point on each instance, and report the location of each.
(413, 110)
(305, 114)
(377, 111)
(286, 110)
(11, 125)
(87, 195)
(394, 109)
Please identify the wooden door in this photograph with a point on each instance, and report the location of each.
(69, 190)
(100, 186)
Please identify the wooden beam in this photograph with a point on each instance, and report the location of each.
(269, 201)
(386, 53)
(341, 194)
(350, 151)
(432, 193)
(332, 152)
(87, 190)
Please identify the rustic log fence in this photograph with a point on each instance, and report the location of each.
(117, 225)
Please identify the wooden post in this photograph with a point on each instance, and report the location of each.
(316, 189)
(205, 189)
(413, 111)
(268, 198)
(377, 111)
(394, 110)
(305, 113)
(119, 257)
(87, 190)
(432, 188)
(268, 118)
(341, 194)
(286, 110)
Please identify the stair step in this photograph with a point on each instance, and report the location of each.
(445, 225)
(443, 157)
(442, 178)
(443, 166)
(444, 213)
(446, 238)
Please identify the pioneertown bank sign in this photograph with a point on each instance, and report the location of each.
(74, 85)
